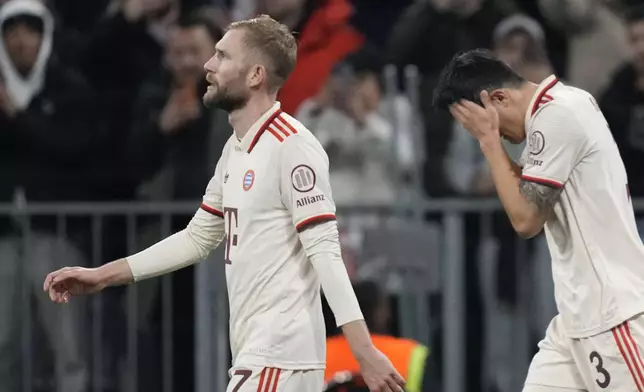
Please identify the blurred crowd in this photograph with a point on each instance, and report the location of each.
(100, 101)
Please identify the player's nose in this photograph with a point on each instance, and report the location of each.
(209, 67)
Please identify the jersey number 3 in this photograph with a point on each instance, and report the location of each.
(603, 377)
(232, 223)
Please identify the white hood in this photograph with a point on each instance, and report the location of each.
(21, 89)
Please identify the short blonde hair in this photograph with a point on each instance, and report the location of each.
(275, 42)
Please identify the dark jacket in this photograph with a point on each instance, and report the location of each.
(623, 106)
(46, 148)
(190, 153)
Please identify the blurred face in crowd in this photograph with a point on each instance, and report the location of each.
(227, 73)
(188, 49)
(22, 43)
(636, 37)
(511, 49)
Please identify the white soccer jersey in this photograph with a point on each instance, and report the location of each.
(597, 255)
(267, 187)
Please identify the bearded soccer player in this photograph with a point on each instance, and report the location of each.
(572, 182)
(270, 201)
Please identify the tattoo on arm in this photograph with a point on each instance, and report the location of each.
(541, 196)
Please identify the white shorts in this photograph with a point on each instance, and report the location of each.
(261, 379)
(607, 362)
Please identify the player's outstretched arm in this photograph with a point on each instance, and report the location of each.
(179, 250)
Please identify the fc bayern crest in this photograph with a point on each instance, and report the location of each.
(536, 143)
(249, 179)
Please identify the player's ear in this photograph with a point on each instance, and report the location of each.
(500, 98)
(256, 75)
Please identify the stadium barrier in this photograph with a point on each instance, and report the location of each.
(416, 252)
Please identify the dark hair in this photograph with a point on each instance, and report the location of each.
(198, 19)
(31, 21)
(635, 14)
(469, 73)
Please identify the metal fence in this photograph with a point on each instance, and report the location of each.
(417, 252)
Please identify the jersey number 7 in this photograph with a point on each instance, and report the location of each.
(230, 215)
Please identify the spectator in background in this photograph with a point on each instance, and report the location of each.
(369, 154)
(520, 42)
(408, 356)
(129, 42)
(173, 134)
(176, 142)
(623, 106)
(47, 131)
(427, 35)
(324, 37)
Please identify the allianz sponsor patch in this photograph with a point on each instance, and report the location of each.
(307, 200)
(303, 178)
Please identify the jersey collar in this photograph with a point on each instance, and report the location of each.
(251, 138)
(538, 96)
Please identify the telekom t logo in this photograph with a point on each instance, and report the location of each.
(230, 214)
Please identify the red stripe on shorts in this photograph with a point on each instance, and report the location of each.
(632, 367)
(261, 381)
(277, 379)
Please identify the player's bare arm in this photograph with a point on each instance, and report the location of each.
(541, 197)
(483, 123)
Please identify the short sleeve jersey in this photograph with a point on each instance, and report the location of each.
(269, 186)
(597, 254)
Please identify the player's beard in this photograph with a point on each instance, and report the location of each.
(225, 99)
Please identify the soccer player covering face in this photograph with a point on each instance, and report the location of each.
(572, 182)
(270, 203)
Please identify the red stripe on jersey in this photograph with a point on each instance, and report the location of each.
(274, 133)
(542, 181)
(279, 126)
(277, 379)
(263, 128)
(543, 92)
(314, 220)
(285, 121)
(548, 96)
(630, 360)
(211, 210)
(261, 381)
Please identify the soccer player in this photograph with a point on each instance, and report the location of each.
(270, 202)
(572, 182)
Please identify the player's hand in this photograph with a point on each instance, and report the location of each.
(379, 373)
(72, 281)
(481, 121)
(177, 113)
